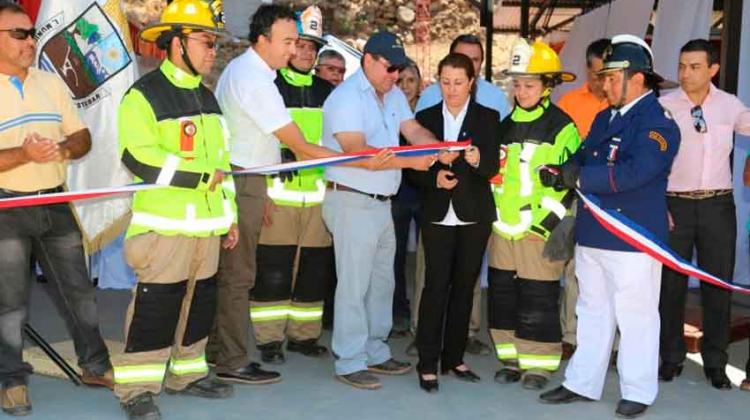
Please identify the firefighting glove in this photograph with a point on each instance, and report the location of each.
(560, 177)
(287, 156)
(561, 241)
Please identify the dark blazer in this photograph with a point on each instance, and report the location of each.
(472, 196)
(634, 183)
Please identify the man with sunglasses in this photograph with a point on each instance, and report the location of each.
(367, 111)
(701, 208)
(40, 131)
(331, 67)
(172, 134)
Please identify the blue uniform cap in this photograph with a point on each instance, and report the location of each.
(388, 46)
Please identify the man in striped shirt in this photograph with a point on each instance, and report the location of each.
(40, 131)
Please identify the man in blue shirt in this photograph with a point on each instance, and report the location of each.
(367, 111)
(487, 94)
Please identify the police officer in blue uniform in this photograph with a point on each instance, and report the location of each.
(624, 163)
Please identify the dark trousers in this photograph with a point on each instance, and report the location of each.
(227, 343)
(453, 258)
(403, 211)
(52, 234)
(709, 227)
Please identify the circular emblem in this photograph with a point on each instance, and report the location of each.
(189, 129)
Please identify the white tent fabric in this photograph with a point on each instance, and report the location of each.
(742, 193)
(677, 22)
(618, 17)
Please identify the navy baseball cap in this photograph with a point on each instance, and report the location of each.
(387, 45)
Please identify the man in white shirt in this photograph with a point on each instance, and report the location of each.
(257, 121)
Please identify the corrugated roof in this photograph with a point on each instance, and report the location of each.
(508, 18)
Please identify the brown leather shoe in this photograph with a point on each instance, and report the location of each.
(106, 380)
(15, 400)
(745, 385)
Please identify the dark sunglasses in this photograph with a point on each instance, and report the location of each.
(391, 68)
(211, 45)
(20, 33)
(699, 123)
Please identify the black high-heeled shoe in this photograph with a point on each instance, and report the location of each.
(428, 385)
(464, 375)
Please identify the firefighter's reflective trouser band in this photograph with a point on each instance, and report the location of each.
(295, 267)
(170, 314)
(524, 315)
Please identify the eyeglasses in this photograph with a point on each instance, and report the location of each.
(699, 123)
(390, 68)
(332, 68)
(20, 33)
(211, 45)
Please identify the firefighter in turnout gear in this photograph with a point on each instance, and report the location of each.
(524, 286)
(172, 134)
(295, 253)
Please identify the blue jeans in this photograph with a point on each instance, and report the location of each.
(51, 233)
(365, 245)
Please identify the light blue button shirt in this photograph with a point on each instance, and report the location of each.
(488, 95)
(354, 107)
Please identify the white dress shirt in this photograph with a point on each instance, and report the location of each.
(254, 109)
(451, 131)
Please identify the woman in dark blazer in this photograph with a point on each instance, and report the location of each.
(458, 211)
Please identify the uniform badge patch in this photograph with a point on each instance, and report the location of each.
(655, 136)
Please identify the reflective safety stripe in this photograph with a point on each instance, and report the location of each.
(269, 313)
(506, 351)
(527, 185)
(225, 131)
(277, 192)
(536, 361)
(554, 206)
(306, 314)
(518, 228)
(139, 373)
(228, 185)
(168, 170)
(191, 224)
(187, 367)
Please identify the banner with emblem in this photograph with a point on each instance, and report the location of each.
(87, 44)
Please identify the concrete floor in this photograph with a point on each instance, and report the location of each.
(310, 392)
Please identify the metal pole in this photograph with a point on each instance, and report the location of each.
(730, 45)
(525, 19)
(488, 59)
(52, 354)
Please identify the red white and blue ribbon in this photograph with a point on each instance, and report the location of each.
(70, 196)
(403, 151)
(644, 241)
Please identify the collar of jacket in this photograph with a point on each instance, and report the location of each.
(179, 77)
(296, 78)
(521, 114)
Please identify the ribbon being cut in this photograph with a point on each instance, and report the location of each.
(73, 196)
